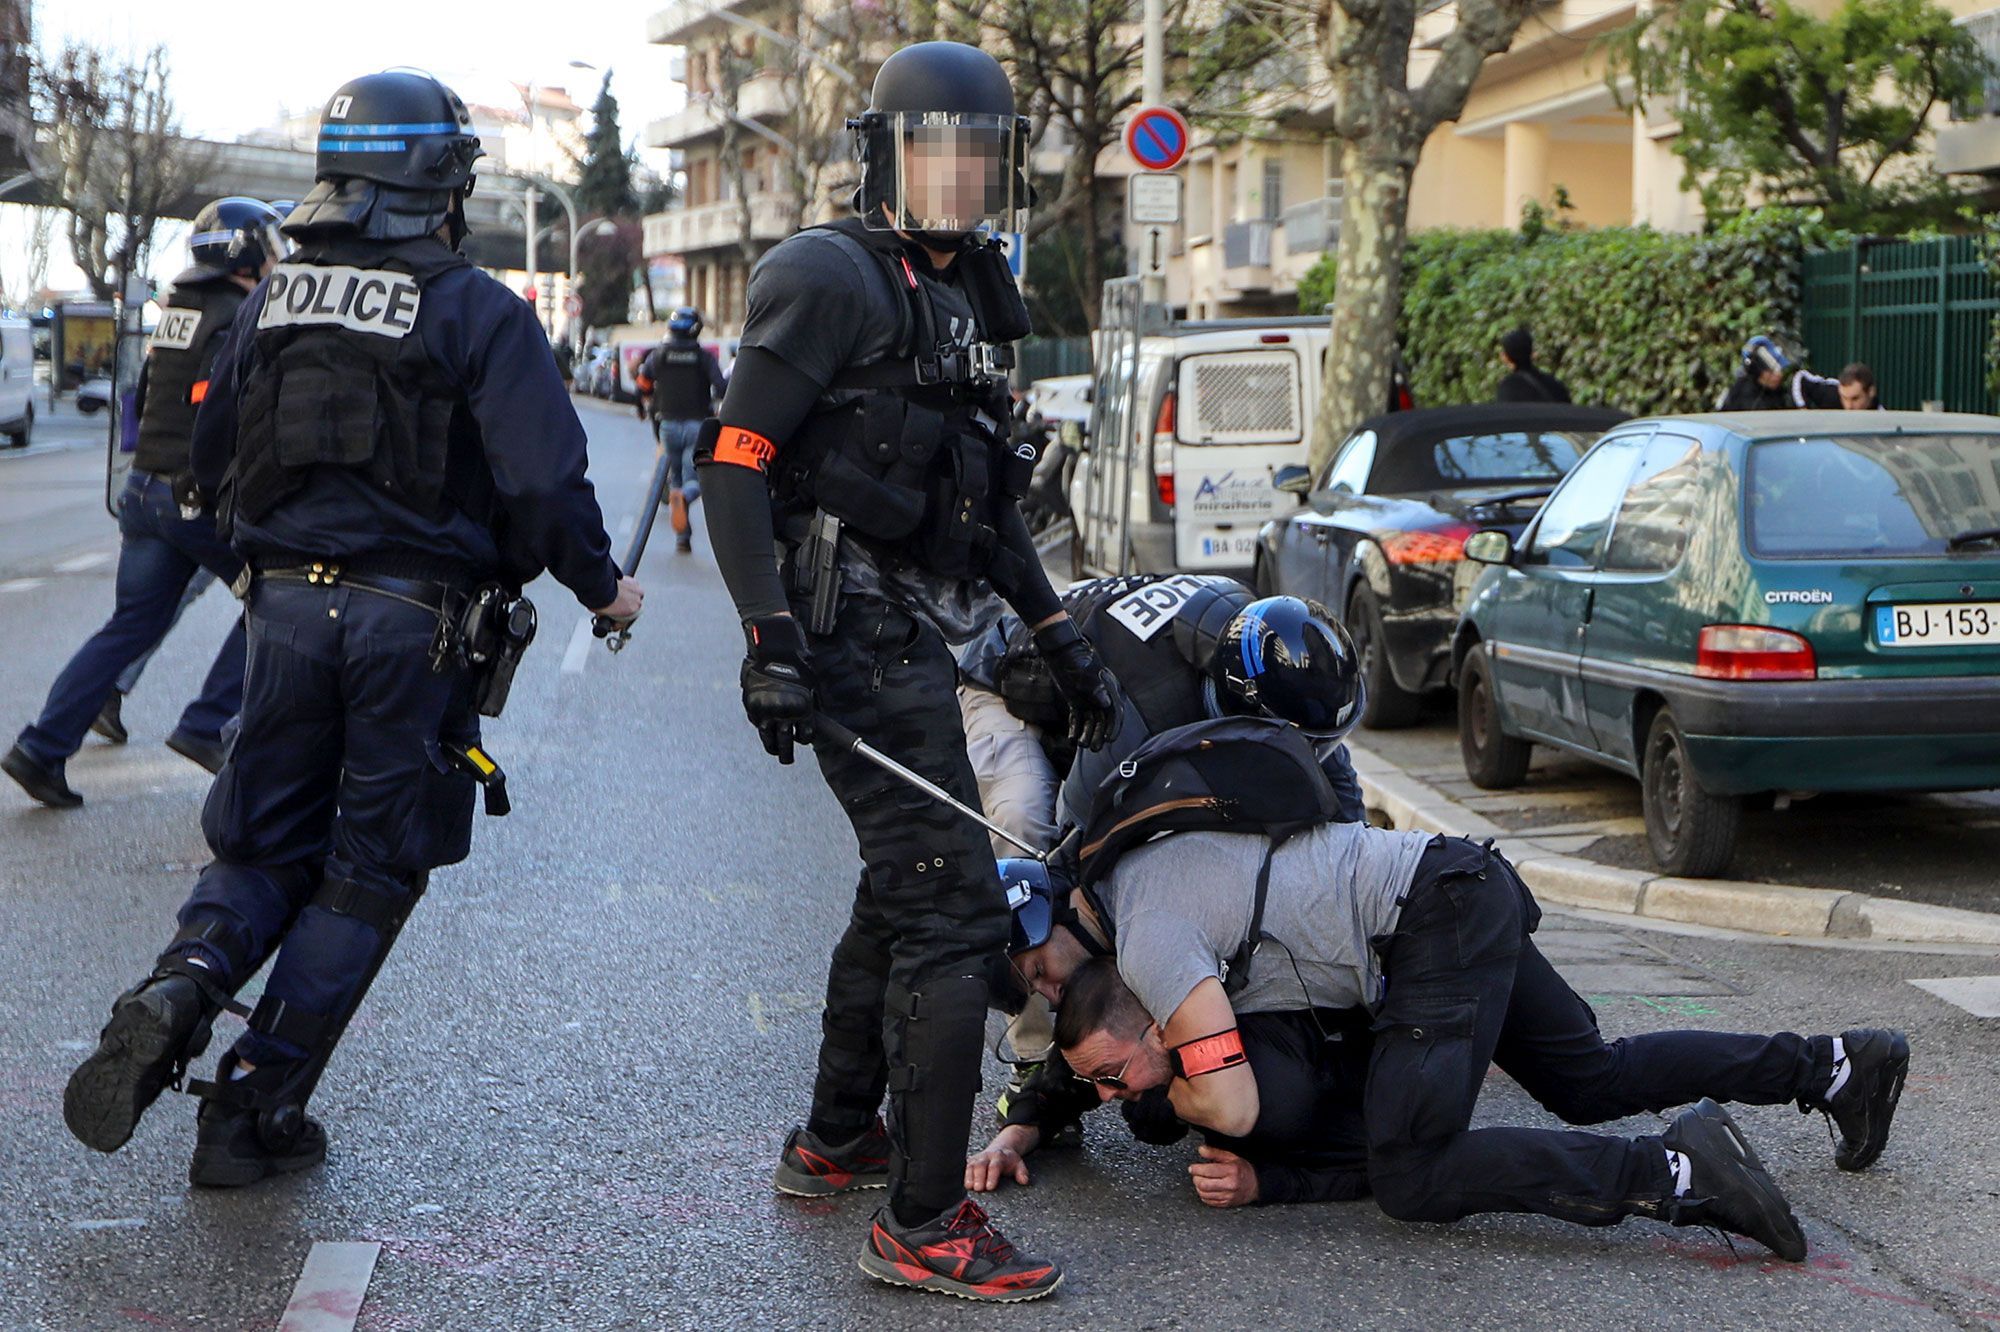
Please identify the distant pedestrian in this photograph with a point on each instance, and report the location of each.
(1525, 381)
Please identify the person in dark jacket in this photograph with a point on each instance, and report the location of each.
(390, 449)
(682, 383)
(1525, 381)
(165, 536)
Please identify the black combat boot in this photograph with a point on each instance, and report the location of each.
(1869, 1066)
(156, 1027)
(248, 1128)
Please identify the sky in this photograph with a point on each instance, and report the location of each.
(227, 84)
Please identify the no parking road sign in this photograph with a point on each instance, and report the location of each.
(1157, 137)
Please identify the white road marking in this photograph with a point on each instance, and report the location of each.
(331, 1287)
(82, 562)
(578, 651)
(1977, 995)
(113, 1223)
(20, 585)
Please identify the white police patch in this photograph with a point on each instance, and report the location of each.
(361, 300)
(175, 331)
(1152, 608)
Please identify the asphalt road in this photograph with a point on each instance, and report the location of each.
(560, 1107)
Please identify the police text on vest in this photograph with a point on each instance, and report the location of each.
(175, 331)
(361, 300)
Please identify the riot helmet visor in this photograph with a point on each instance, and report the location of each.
(943, 172)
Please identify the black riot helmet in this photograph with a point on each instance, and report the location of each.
(236, 235)
(395, 157)
(1287, 657)
(942, 152)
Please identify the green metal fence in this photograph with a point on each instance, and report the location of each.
(1920, 313)
(1044, 358)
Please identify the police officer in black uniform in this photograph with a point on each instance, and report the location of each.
(683, 383)
(394, 456)
(167, 534)
(865, 427)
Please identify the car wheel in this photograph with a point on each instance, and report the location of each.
(19, 436)
(1389, 704)
(1691, 832)
(89, 406)
(1494, 760)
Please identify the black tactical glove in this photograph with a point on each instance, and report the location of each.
(1083, 681)
(778, 684)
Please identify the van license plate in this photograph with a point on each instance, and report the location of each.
(1933, 625)
(1235, 545)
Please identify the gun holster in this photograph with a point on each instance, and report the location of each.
(494, 632)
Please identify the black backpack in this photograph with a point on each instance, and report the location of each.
(1232, 774)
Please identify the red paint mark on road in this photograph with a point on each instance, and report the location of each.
(1824, 1267)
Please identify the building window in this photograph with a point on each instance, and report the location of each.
(1274, 188)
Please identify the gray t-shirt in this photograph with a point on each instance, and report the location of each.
(1180, 908)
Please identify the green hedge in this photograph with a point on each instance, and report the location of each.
(1644, 320)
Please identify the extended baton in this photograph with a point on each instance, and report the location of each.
(611, 631)
(854, 744)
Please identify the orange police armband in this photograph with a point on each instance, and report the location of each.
(198, 392)
(743, 448)
(1210, 1054)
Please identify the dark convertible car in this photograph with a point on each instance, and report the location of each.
(1379, 536)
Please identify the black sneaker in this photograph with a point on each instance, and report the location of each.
(232, 1149)
(1861, 1100)
(810, 1168)
(1726, 1186)
(154, 1030)
(44, 781)
(199, 749)
(109, 723)
(960, 1253)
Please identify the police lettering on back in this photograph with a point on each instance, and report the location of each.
(1151, 608)
(362, 300)
(176, 329)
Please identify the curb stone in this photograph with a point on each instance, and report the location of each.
(1783, 910)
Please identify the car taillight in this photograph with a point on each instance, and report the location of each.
(1751, 652)
(1163, 451)
(1441, 545)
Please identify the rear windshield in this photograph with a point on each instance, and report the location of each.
(1470, 460)
(1872, 495)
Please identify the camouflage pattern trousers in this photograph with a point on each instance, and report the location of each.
(907, 988)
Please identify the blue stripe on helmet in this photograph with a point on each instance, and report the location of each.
(429, 127)
(1253, 642)
(211, 237)
(372, 146)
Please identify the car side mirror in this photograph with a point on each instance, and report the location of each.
(1491, 546)
(1293, 480)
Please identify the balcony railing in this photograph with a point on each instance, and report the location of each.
(1247, 244)
(1985, 30)
(1312, 228)
(696, 120)
(714, 226)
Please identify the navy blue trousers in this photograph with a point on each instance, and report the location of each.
(337, 774)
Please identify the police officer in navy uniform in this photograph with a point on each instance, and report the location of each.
(683, 383)
(388, 441)
(167, 534)
(865, 428)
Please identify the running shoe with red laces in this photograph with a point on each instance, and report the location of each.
(810, 1168)
(959, 1253)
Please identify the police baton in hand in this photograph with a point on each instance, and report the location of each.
(826, 728)
(612, 631)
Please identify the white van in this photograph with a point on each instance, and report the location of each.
(1189, 423)
(17, 381)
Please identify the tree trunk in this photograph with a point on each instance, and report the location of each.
(1367, 293)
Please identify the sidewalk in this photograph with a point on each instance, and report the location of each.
(1559, 877)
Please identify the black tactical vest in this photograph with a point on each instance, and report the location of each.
(178, 358)
(340, 378)
(907, 460)
(680, 384)
(1157, 635)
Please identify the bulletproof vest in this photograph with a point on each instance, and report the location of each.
(178, 358)
(680, 384)
(1157, 633)
(900, 453)
(339, 378)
